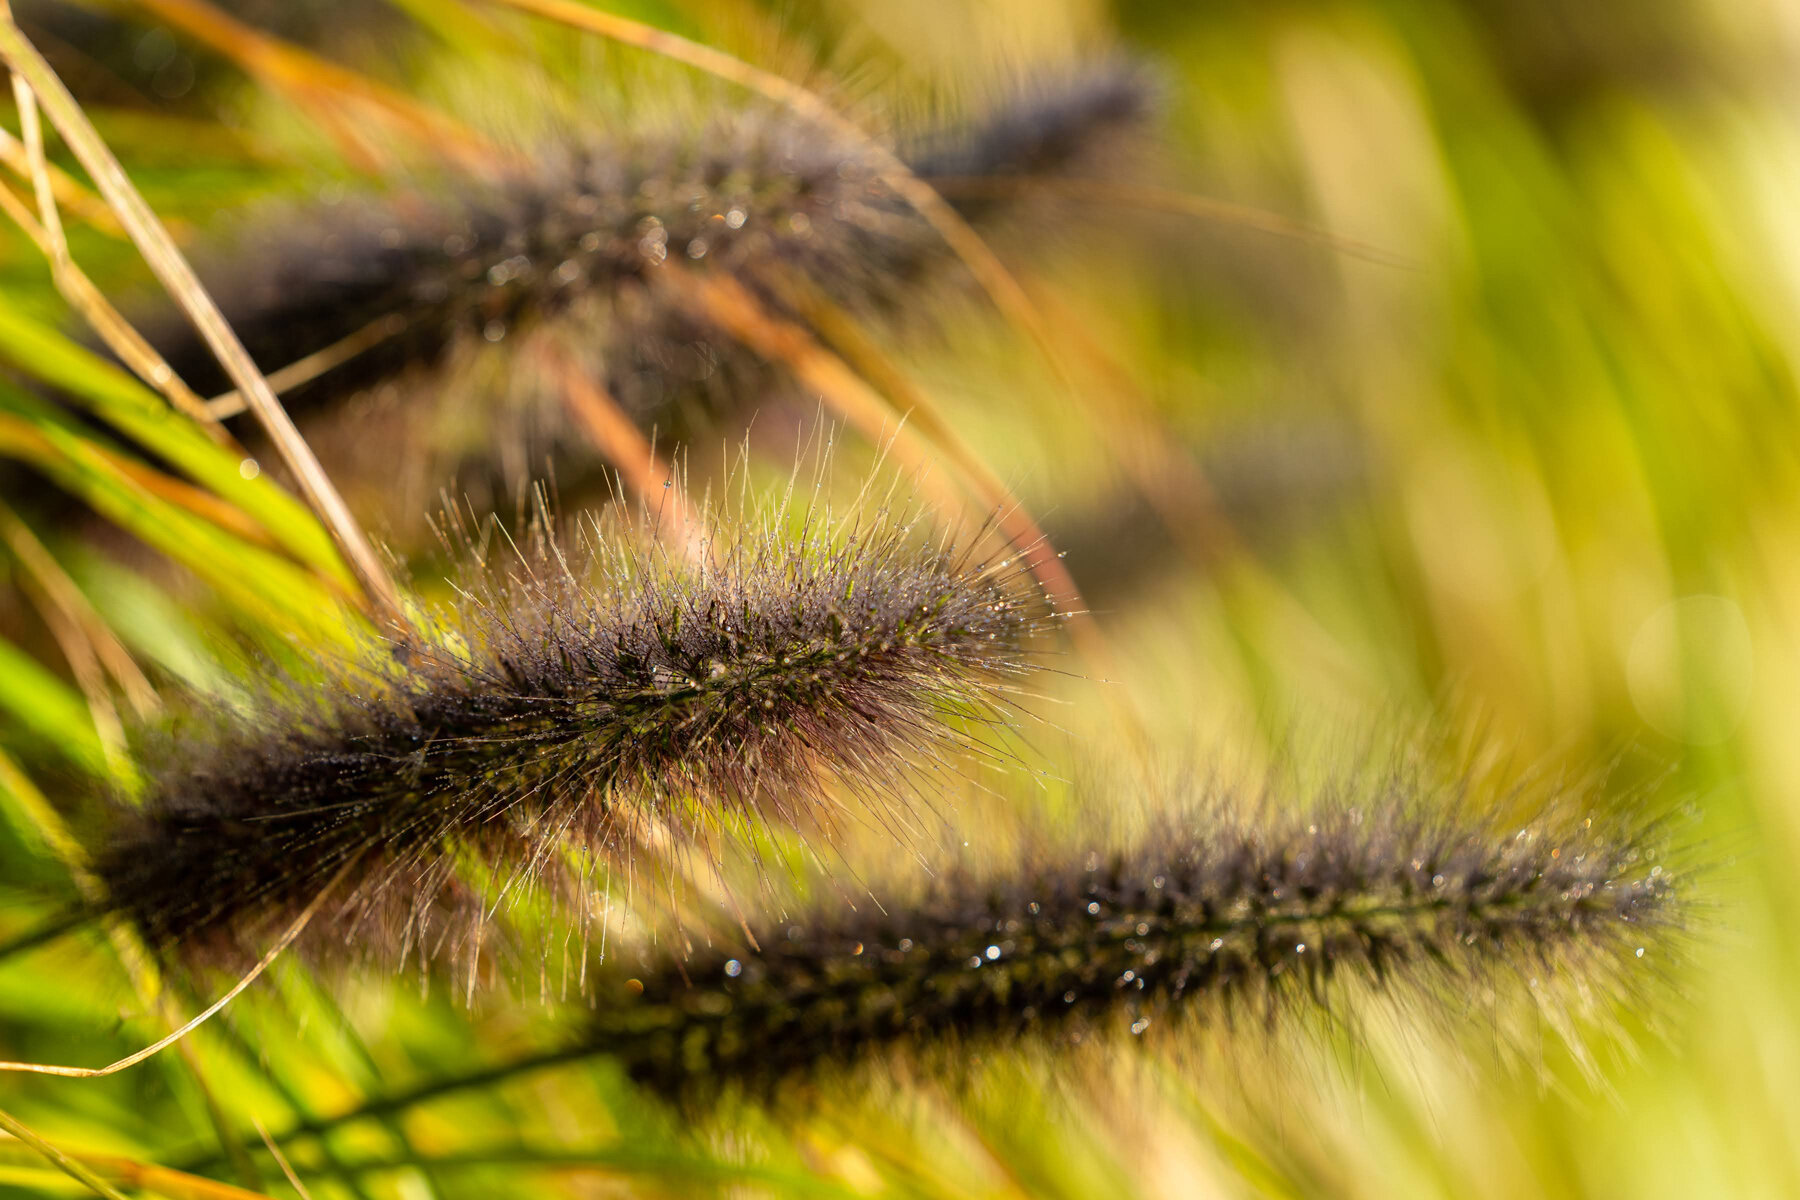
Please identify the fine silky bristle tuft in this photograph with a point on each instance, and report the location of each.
(1218, 913)
(562, 708)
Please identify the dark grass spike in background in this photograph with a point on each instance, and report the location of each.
(1050, 127)
(1226, 915)
(574, 699)
(427, 277)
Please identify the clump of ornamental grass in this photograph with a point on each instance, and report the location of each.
(1252, 914)
(444, 314)
(579, 694)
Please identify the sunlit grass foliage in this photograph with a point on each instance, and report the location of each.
(1298, 553)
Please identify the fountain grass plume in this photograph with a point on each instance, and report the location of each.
(1267, 911)
(415, 308)
(574, 695)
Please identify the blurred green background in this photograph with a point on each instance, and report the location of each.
(1515, 456)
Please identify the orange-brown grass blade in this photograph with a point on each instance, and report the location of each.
(20, 438)
(887, 389)
(61, 1161)
(80, 291)
(725, 302)
(646, 477)
(68, 190)
(138, 1175)
(335, 95)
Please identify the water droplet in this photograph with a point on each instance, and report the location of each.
(993, 952)
(1093, 908)
(493, 331)
(155, 50)
(735, 218)
(249, 469)
(734, 968)
(1141, 1024)
(1640, 952)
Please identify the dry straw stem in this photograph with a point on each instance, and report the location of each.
(178, 278)
(62, 1162)
(565, 703)
(47, 824)
(62, 595)
(86, 299)
(304, 370)
(249, 977)
(68, 192)
(281, 1161)
(88, 646)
